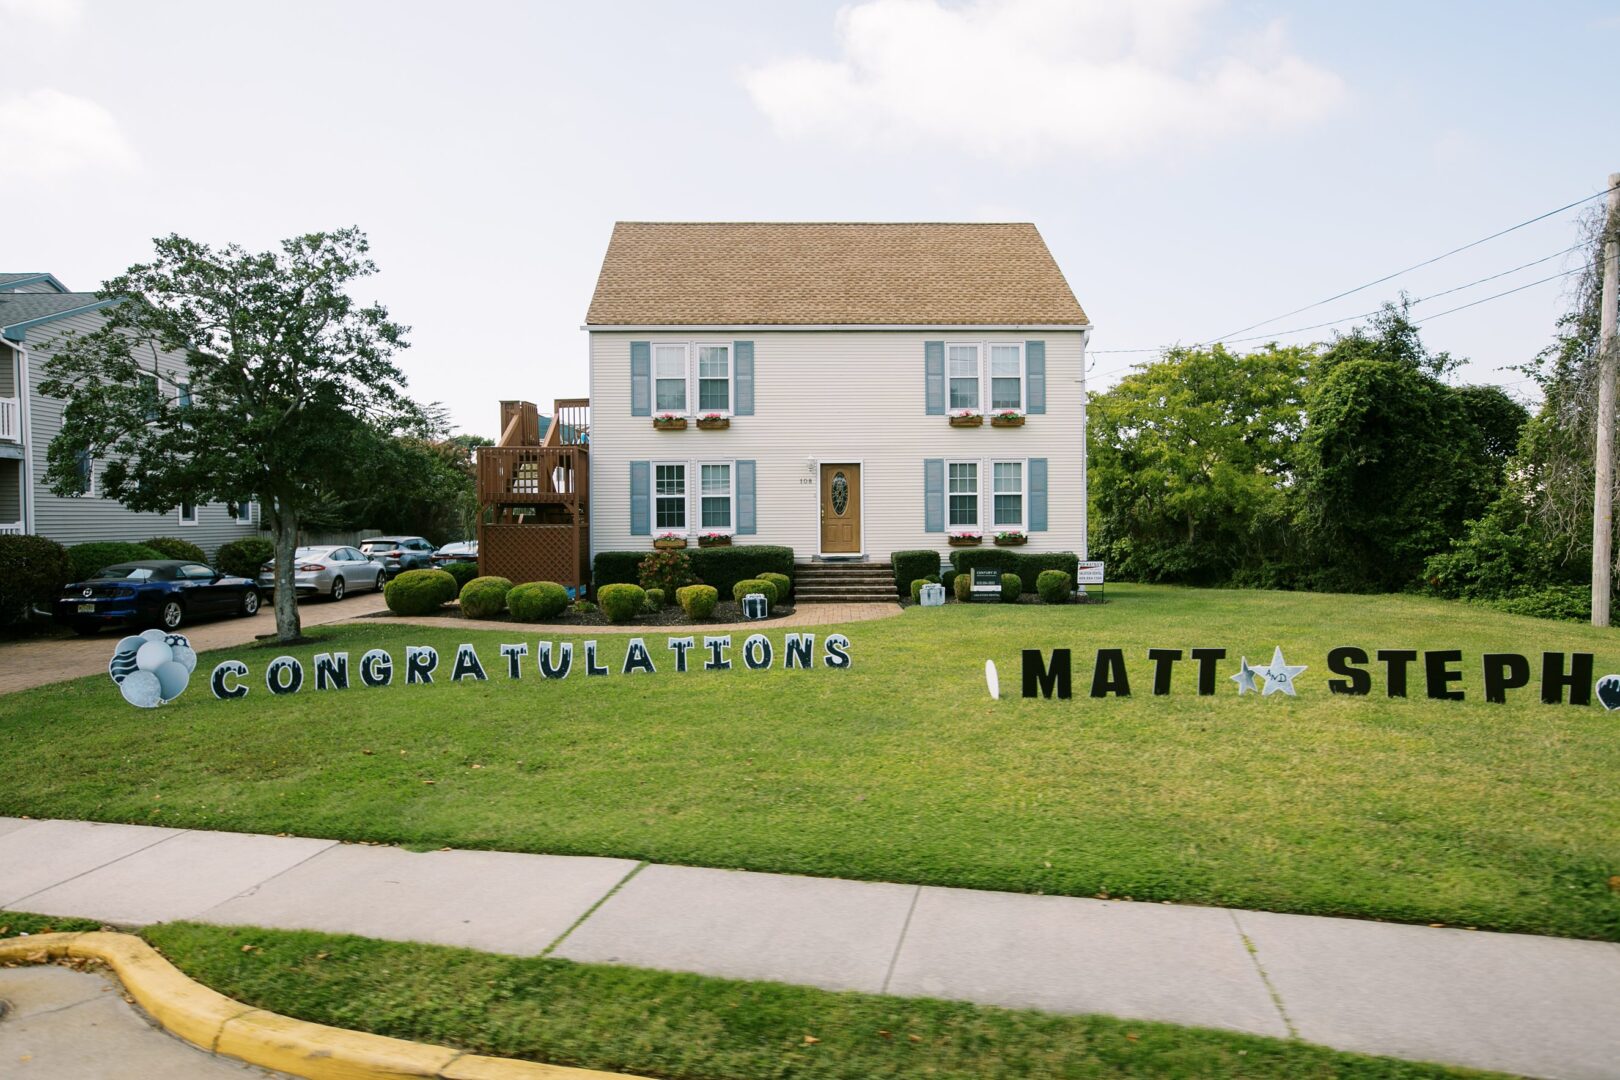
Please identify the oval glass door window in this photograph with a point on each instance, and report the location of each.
(840, 493)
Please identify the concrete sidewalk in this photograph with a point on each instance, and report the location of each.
(1536, 1006)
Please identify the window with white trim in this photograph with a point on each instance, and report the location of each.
(85, 466)
(244, 511)
(188, 513)
(962, 490)
(152, 391)
(669, 497)
(182, 395)
(1007, 493)
(714, 378)
(669, 378)
(1006, 376)
(962, 368)
(716, 496)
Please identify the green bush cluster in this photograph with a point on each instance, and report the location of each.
(88, 558)
(917, 585)
(783, 583)
(962, 586)
(32, 571)
(536, 600)
(243, 557)
(170, 547)
(721, 567)
(698, 600)
(419, 592)
(621, 602)
(1570, 602)
(665, 570)
(948, 579)
(655, 599)
(582, 607)
(484, 597)
(1011, 586)
(911, 565)
(463, 572)
(754, 585)
(1054, 586)
(1027, 566)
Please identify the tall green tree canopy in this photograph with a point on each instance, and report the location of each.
(292, 384)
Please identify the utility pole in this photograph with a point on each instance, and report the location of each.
(1603, 492)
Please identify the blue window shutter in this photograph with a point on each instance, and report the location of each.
(934, 375)
(934, 495)
(640, 498)
(742, 371)
(747, 519)
(1037, 494)
(640, 378)
(1035, 376)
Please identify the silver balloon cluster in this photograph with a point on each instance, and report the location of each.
(152, 668)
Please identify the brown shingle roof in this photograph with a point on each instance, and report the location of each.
(843, 273)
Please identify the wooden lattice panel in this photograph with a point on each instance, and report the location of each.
(534, 552)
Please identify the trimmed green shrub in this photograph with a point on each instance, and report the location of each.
(665, 571)
(948, 579)
(463, 572)
(655, 599)
(170, 547)
(419, 592)
(721, 567)
(243, 557)
(88, 558)
(1054, 586)
(616, 568)
(32, 571)
(911, 565)
(1011, 586)
(783, 583)
(753, 585)
(484, 597)
(698, 600)
(963, 587)
(621, 602)
(916, 586)
(1027, 565)
(536, 600)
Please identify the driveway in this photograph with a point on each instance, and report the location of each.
(26, 664)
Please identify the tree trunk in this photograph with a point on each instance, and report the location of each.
(284, 530)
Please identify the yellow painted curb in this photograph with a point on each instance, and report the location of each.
(221, 1025)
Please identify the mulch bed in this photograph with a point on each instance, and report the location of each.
(724, 613)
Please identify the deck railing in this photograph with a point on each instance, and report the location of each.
(10, 420)
(533, 475)
(14, 528)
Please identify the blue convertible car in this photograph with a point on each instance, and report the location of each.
(156, 592)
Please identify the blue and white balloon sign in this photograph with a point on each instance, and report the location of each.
(152, 668)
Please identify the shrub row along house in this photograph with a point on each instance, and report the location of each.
(35, 311)
(841, 389)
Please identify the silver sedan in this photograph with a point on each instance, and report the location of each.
(328, 571)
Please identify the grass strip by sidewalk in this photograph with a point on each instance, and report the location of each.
(689, 1027)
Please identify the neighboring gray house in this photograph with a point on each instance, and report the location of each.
(34, 310)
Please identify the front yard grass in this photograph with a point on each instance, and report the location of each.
(690, 1027)
(1501, 817)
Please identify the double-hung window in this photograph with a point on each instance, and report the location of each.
(1006, 376)
(669, 498)
(962, 362)
(188, 512)
(714, 378)
(85, 466)
(716, 494)
(963, 489)
(1008, 493)
(242, 511)
(153, 395)
(669, 378)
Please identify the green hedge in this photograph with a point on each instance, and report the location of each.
(463, 572)
(32, 571)
(911, 565)
(697, 600)
(484, 597)
(655, 599)
(1011, 586)
(917, 585)
(963, 587)
(171, 547)
(721, 567)
(244, 557)
(783, 583)
(88, 558)
(1028, 567)
(753, 585)
(621, 602)
(536, 600)
(1054, 586)
(419, 592)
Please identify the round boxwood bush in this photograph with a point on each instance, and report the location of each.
(463, 572)
(419, 592)
(88, 558)
(242, 558)
(1054, 586)
(697, 600)
(484, 597)
(621, 603)
(1011, 586)
(752, 585)
(536, 600)
(783, 583)
(962, 585)
(655, 599)
(32, 571)
(916, 587)
(171, 547)
(948, 579)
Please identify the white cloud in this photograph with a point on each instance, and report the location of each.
(1032, 77)
(52, 14)
(47, 134)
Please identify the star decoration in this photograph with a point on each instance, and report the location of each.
(1245, 677)
(1279, 675)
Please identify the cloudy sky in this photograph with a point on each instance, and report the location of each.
(1195, 166)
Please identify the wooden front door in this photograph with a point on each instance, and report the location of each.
(840, 509)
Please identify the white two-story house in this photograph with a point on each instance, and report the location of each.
(835, 387)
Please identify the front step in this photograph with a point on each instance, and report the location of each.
(843, 583)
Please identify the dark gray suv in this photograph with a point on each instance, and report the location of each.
(398, 553)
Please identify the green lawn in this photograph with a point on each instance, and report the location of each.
(1504, 817)
(688, 1027)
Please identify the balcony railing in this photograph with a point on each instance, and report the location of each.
(14, 528)
(10, 420)
(532, 475)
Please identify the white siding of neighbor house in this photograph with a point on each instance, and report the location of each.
(90, 518)
(840, 396)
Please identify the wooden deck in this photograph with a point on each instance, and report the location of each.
(535, 496)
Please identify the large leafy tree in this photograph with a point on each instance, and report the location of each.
(292, 385)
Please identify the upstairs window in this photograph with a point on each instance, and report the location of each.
(188, 513)
(243, 511)
(153, 395)
(669, 498)
(1006, 376)
(714, 378)
(85, 466)
(716, 495)
(669, 378)
(963, 490)
(1009, 493)
(962, 362)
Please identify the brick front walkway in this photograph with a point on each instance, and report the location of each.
(804, 615)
